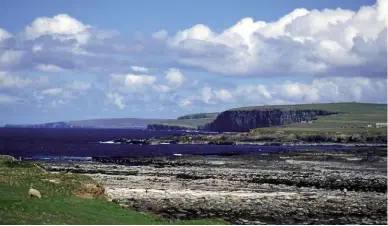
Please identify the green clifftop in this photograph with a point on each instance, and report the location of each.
(340, 117)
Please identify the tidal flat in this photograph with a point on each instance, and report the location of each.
(294, 187)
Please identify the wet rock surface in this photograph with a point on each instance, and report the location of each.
(300, 187)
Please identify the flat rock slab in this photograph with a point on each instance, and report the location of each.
(309, 187)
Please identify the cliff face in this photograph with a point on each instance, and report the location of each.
(244, 120)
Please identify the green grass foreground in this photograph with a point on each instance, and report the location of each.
(59, 203)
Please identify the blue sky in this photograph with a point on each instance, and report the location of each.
(67, 60)
(148, 16)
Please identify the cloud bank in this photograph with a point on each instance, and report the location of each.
(301, 42)
(304, 56)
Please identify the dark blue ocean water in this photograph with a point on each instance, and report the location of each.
(78, 143)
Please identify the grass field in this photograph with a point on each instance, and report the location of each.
(64, 202)
(340, 107)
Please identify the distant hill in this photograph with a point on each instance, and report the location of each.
(191, 122)
(94, 123)
(199, 116)
(315, 118)
(185, 122)
(115, 123)
(45, 125)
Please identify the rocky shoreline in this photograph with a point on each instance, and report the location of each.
(298, 187)
(183, 140)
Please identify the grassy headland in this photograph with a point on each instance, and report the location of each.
(353, 123)
(66, 199)
(353, 118)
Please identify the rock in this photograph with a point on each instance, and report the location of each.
(54, 181)
(243, 220)
(34, 193)
(84, 195)
(258, 189)
(181, 216)
(123, 206)
(244, 120)
(95, 190)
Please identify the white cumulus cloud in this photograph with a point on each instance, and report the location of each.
(49, 68)
(4, 35)
(61, 26)
(139, 69)
(206, 94)
(328, 89)
(8, 80)
(303, 41)
(6, 99)
(162, 88)
(9, 58)
(79, 86)
(224, 95)
(186, 102)
(174, 77)
(131, 82)
(52, 91)
(160, 35)
(116, 99)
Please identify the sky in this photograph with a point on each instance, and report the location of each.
(74, 60)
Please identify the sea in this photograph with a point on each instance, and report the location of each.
(83, 144)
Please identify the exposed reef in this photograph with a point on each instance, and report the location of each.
(299, 187)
